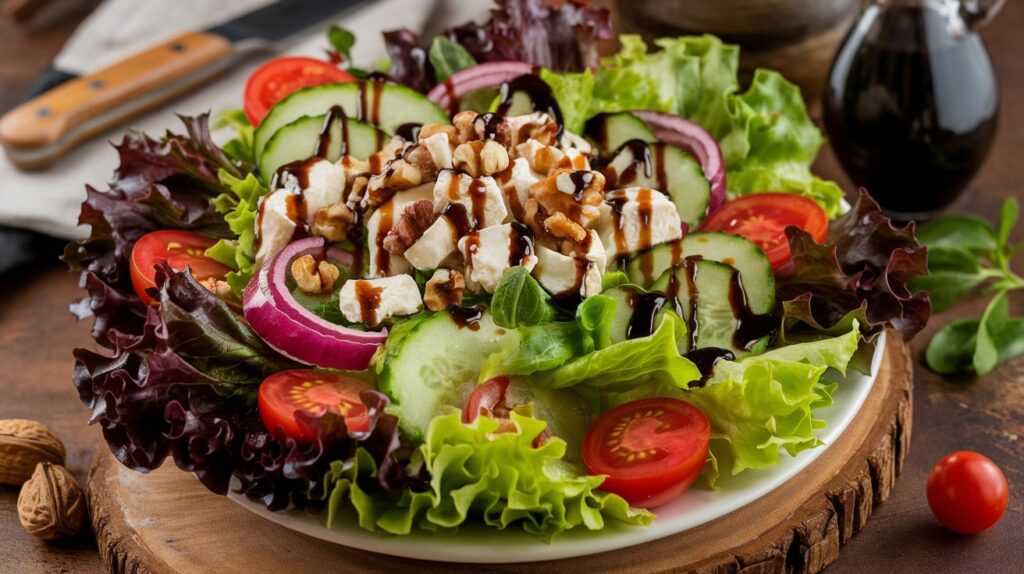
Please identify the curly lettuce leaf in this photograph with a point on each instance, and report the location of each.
(239, 204)
(867, 261)
(478, 473)
(574, 93)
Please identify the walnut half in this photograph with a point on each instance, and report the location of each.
(314, 278)
(416, 217)
(444, 289)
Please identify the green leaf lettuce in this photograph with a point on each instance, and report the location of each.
(477, 473)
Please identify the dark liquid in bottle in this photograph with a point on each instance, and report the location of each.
(911, 108)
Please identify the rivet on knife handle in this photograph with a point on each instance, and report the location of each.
(38, 132)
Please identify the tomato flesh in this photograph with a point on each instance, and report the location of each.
(488, 399)
(314, 393)
(763, 219)
(967, 492)
(180, 249)
(280, 77)
(651, 450)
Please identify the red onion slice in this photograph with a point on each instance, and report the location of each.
(489, 74)
(293, 330)
(696, 141)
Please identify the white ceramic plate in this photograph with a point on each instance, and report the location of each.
(486, 546)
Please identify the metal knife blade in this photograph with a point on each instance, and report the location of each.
(277, 22)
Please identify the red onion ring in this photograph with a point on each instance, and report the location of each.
(489, 74)
(293, 330)
(696, 141)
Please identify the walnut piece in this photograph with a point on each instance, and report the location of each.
(418, 156)
(582, 206)
(334, 222)
(399, 175)
(314, 278)
(415, 218)
(434, 129)
(564, 228)
(218, 287)
(444, 289)
(493, 158)
(467, 157)
(23, 445)
(52, 505)
(538, 126)
(493, 127)
(463, 123)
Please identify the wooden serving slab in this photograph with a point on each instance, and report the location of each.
(166, 521)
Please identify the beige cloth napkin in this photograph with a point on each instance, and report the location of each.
(48, 201)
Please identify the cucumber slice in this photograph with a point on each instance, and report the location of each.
(665, 168)
(739, 252)
(703, 289)
(636, 314)
(298, 140)
(432, 365)
(607, 132)
(382, 104)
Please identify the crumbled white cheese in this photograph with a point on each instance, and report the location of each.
(636, 218)
(489, 252)
(572, 142)
(383, 263)
(370, 301)
(274, 225)
(326, 186)
(440, 150)
(434, 246)
(479, 195)
(579, 272)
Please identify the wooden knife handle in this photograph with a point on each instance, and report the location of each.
(39, 131)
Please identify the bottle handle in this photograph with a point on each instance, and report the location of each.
(977, 13)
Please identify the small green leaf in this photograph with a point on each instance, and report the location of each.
(1007, 220)
(942, 258)
(986, 352)
(614, 279)
(946, 288)
(342, 40)
(963, 232)
(448, 57)
(520, 301)
(951, 350)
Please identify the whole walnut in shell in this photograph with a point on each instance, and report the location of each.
(52, 505)
(23, 445)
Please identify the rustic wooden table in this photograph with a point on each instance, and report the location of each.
(37, 334)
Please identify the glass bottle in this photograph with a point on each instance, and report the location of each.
(912, 102)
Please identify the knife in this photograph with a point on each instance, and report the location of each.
(38, 132)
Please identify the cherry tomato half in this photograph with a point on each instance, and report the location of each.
(652, 450)
(278, 78)
(763, 219)
(967, 492)
(313, 392)
(178, 248)
(488, 399)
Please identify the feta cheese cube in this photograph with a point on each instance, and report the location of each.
(440, 239)
(637, 218)
(576, 274)
(370, 301)
(440, 150)
(382, 263)
(481, 196)
(570, 141)
(515, 185)
(541, 158)
(276, 221)
(489, 252)
(326, 186)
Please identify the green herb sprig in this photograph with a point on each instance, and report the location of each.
(967, 255)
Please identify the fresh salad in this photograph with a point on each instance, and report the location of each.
(497, 280)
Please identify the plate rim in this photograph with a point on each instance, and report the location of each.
(581, 543)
